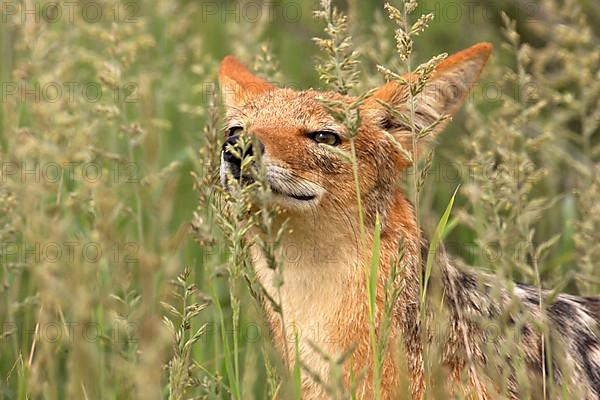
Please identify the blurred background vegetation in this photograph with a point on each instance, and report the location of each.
(151, 317)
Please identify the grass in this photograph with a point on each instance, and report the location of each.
(132, 284)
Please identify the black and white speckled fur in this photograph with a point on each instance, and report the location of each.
(498, 326)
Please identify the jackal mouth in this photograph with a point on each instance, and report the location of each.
(283, 184)
(245, 180)
(248, 180)
(292, 188)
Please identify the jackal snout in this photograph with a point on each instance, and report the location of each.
(233, 153)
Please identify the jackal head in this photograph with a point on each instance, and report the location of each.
(301, 143)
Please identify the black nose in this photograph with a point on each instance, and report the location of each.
(230, 157)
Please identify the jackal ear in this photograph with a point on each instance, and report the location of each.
(238, 85)
(442, 95)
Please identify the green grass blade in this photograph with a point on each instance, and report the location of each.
(296, 376)
(436, 240)
(372, 288)
(227, 352)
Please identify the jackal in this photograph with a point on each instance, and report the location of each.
(316, 190)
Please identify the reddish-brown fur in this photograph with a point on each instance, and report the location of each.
(330, 293)
(279, 119)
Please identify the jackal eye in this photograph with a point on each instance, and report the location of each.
(234, 130)
(326, 137)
